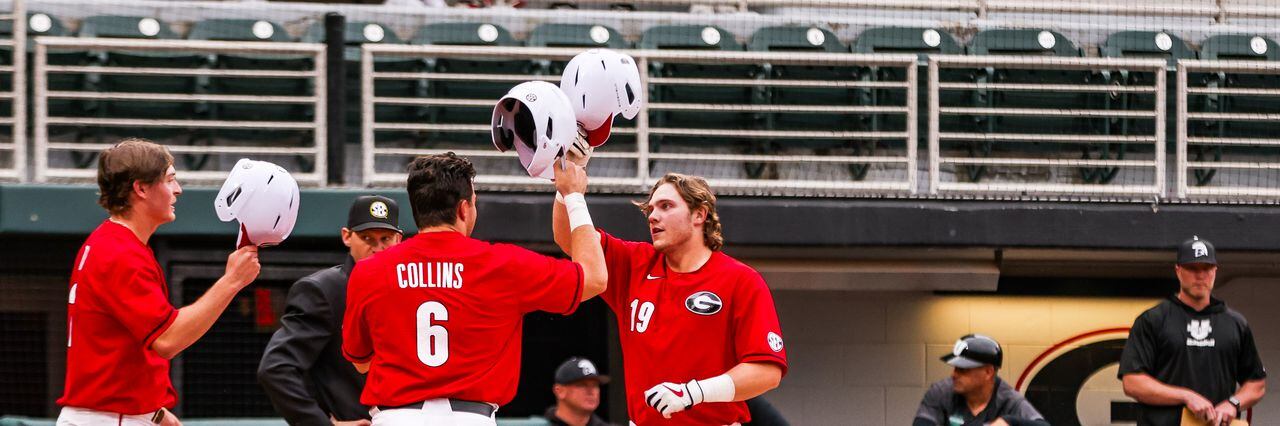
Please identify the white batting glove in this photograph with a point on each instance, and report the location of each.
(670, 398)
(580, 150)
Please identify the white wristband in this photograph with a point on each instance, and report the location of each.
(718, 389)
(559, 198)
(576, 205)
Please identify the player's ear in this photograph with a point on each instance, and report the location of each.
(699, 215)
(347, 235)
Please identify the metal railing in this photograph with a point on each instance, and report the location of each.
(1186, 139)
(938, 157)
(17, 95)
(1220, 10)
(314, 153)
(645, 130)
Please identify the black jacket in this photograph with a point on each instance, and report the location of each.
(302, 369)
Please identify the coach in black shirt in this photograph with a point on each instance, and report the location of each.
(974, 395)
(1192, 350)
(302, 369)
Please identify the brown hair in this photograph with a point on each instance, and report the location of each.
(437, 183)
(698, 195)
(131, 160)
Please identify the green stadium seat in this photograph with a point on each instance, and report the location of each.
(43, 24)
(922, 42)
(813, 40)
(137, 27)
(1234, 47)
(261, 31)
(355, 34)
(1133, 44)
(1028, 42)
(702, 37)
(467, 34)
(573, 35)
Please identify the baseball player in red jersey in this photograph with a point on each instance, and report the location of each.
(121, 329)
(698, 328)
(436, 321)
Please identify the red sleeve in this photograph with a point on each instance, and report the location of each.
(544, 283)
(356, 344)
(134, 294)
(617, 259)
(758, 336)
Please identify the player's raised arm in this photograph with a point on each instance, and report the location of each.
(584, 241)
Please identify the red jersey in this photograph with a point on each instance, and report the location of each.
(440, 316)
(118, 305)
(676, 327)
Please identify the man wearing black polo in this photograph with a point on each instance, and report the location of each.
(974, 395)
(302, 369)
(1192, 350)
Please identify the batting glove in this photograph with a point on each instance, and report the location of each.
(580, 150)
(670, 398)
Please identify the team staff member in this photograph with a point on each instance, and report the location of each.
(309, 341)
(974, 395)
(436, 320)
(577, 391)
(698, 328)
(1192, 350)
(121, 329)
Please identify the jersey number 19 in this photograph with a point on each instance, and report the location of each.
(433, 339)
(641, 313)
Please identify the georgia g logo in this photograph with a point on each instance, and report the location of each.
(703, 303)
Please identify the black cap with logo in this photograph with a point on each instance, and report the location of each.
(1197, 250)
(373, 212)
(575, 369)
(973, 351)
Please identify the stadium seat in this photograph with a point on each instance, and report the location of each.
(701, 37)
(1132, 44)
(1235, 47)
(467, 34)
(356, 34)
(572, 35)
(255, 30)
(137, 27)
(43, 24)
(1028, 42)
(910, 40)
(813, 40)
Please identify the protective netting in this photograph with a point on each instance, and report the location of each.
(796, 97)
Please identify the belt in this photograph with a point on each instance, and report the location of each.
(458, 405)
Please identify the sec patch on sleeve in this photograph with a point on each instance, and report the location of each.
(775, 342)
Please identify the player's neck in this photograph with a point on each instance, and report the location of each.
(1189, 300)
(978, 400)
(571, 416)
(141, 228)
(688, 257)
(443, 228)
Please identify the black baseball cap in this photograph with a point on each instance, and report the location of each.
(578, 368)
(973, 351)
(373, 212)
(1197, 250)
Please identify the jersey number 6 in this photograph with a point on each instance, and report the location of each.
(433, 339)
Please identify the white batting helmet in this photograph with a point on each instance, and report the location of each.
(602, 83)
(263, 197)
(536, 120)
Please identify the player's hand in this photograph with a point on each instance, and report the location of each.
(1225, 412)
(670, 398)
(361, 422)
(242, 266)
(1199, 406)
(570, 178)
(580, 151)
(169, 419)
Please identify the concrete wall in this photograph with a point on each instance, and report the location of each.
(865, 358)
